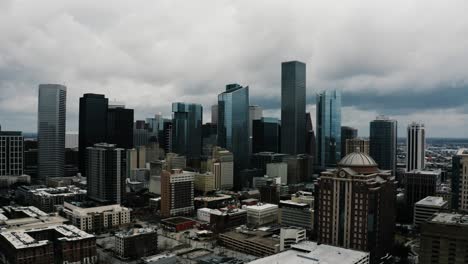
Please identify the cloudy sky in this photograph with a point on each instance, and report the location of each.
(405, 59)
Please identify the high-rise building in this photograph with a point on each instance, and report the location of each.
(383, 142)
(328, 128)
(459, 180)
(419, 184)
(261, 159)
(51, 130)
(266, 135)
(177, 191)
(255, 113)
(165, 135)
(310, 137)
(296, 214)
(233, 126)
(106, 173)
(223, 168)
(300, 168)
(187, 131)
(214, 114)
(347, 133)
(120, 126)
(141, 133)
(293, 104)
(356, 145)
(426, 208)
(356, 206)
(415, 147)
(11, 153)
(209, 139)
(444, 238)
(92, 124)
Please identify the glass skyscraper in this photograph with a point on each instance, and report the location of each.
(293, 104)
(120, 126)
(266, 135)
(383, 142)
(51, 130)
(233, 126)
(328, 128)
(187, 129)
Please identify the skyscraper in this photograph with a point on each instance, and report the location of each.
(266, 135)
(383, 142)
(233, 126)
(223, 169)
(11, 153)
(293, 103)
(92, 124)
(120, 126)
(106, 169)
(310, 136)
(460, 180)
(214, 114)
(347, 133)
(187, 131)
(177, 190)
(51, 130)
(328, 128)
(415, 147)
(255, 113)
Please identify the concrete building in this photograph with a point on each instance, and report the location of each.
(106, 173)
(51, 130)
(291, 236)
(279, 169)
(300, 168)
(177, 192)
(426, 208)
(161, 259)
(257, 243)
(11, 153)
(46, 199)
(53, 244)
(258, 182)
(311, 252)
(356, 206)
(415, 147)
(356, 145)
(174, 161)
(97, 219)
(204, 182)
(8, 181)
(223, 168)
(460, 180)
(296, 214)
(347, 133)
(261, 214)
(444, 239)
(27, 217)
(136, 243)
(419, 184)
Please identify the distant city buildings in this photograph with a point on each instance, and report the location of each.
(11, 153)
(328, 128)
(51, 131)
(293, 104)
(357, 145)
(266, 135)
(415, 147)
(419, 184)
(383, 142)
(347, 133)
(177, 192)
(460, 180)
(120, 126)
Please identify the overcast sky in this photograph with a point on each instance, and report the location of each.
(405, 59)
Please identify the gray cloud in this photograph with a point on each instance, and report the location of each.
(403, 58)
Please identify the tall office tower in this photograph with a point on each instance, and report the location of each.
(347, 133)
(383, 142)
(310, 136)
(255, 113)
(120, 126)
(293, 104)
(155, 124)
(356, 206)
(214, 114)
(174, 161)
(300, 168)
(266, 135)
(92, 124)
(356, 145)
(223, 168)
(105, 172)
(209, 138)
(459, 180)
(11, 153)
(415, 147)
(141, 133)
(328, 128)
(187, 124)
(177, 190)
(261, 159)
(444, 238)
(233, 126)
(51, 131)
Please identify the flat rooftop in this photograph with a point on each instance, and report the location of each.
(309, 252)
(76, 209)
(177, 220)
(432, 201)
(450, 219)
(218, 197)
(257, 236)
(135, 232)
(462, 152)
(261, 207)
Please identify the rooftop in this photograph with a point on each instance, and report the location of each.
(261, 207)
(357, 159)
(432, 201)
(450, 219)
(308, 252)
(213, 198)
(462, 152)
(95, 209)
(135, 232)
(255, 236)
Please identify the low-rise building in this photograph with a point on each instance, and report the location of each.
(220, 220)
(46, 199)
(258, 182)
(213, 201)
(97, 219)
(53, 244)
(136, 243)
(204, 182)
(261, 214)
(257, 243)
(311, 252)
(426, 208)
(290, 236)
(9, 180)
(296, 214)
(27, 217)
(177, 224)
(161, 259)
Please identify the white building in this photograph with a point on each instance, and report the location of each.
(258, 182)
(262, 214)
(204, 214)
(223, 168)
(426, 208)
(278, 170)
(415, 147)
(310, 252)
(290, 236)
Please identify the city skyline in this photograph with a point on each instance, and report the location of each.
(423, 78)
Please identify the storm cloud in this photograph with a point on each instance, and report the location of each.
(406, 59)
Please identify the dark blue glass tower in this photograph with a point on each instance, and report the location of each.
(383, 142)
(328, 128)
(266, 135)
(187, 130)
(233, 126)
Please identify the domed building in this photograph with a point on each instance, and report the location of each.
(356, 206)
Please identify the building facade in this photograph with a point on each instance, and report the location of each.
(426, 208)
(293, 104)
(296, 214)
(328, 128)
(266, 135)
(419, 184)
(347, 133)
(222, 167)
(357, 145)
(415, 147)
(261, 214)
(11, 153)
(459, 180)
(136, 243)
(383, 142)
(177, 192)
(51, 130)
(120, 126)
